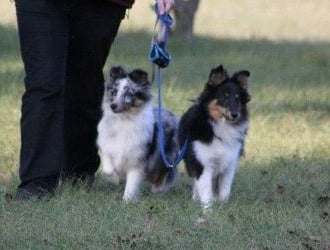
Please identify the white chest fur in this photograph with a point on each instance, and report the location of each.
(124, 137)
(224, 150)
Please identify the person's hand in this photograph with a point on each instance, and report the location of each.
(164, 6)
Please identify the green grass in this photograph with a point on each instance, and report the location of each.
(280, 196)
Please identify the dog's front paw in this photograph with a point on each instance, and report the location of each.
(195, 196)
(207, 207)
(224, 195)
(131, 198)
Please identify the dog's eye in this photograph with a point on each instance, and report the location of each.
(237, 97)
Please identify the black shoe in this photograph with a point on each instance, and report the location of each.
(32, 192)
(38, 188)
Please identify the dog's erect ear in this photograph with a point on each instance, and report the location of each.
(242, 78)
(117, 72)
(139, 76)
(217, 75)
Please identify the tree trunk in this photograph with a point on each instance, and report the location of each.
(184, 11)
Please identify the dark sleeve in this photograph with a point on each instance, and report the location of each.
(126, 3)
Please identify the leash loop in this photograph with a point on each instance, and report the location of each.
(158, 54)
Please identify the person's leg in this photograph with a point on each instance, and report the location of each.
(93, 27)
(43, 36)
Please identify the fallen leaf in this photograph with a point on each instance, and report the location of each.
(300, 204)
(324, 216)
(292, 232)
(270, 197)
(263, 172)
(324, 199)
(313, 238)
(232, 217)
(279, 189)
(311, 242)
(180, 233)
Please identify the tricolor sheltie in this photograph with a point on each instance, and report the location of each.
(215, 127)
(127, 134)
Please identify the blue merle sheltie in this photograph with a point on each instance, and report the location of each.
(215, 127)
(127, 134)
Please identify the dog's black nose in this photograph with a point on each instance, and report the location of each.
(113, 106)
(234, 115)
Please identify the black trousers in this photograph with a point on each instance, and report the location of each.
(64, 46)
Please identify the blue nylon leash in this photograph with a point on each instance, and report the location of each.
(159, 56)
(161, 139)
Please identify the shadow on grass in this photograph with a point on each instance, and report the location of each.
(302, 180)
(284, 64)
(292, 180)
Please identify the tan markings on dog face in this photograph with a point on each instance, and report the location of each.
(215, 111)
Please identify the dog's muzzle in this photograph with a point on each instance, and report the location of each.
(232, 117)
